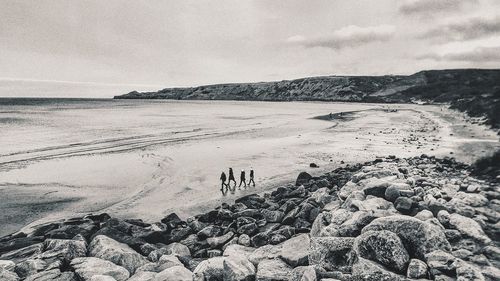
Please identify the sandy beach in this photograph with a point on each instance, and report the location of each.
(146, 159)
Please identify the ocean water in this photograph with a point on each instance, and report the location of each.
(146, 158)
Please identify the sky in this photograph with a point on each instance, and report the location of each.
(155, 44)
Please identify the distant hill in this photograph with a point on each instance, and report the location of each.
(475, 91)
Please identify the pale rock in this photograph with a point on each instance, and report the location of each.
(210, 269)
(416, 269)
(303, 273)
(273, 270)
(121, 254)
(174, 273)
(238, 267)
(87, 267)
(331, 253)
(295, 251)
(469, 227)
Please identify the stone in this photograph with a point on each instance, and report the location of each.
(210, 269)
(416, 269)
(174, 273)
(303, 273)
(467, 271)
(7, 265)
(424, 215)
(29, 267)
(272, 216)
(214, 253)
(102, 278)
(143, 276)
(209, 231)
(238, 267)
(163, 263)
(238, 250)
(260, 239)
(249, 229)
(172, 220)
(303, 178)
(6, 275)
(273, 270)
(217, 242)
(403, 205)
(364, 269)
(52, 275)
(86, 229)
(331, 253)
(175, 248)
(121, 254)
(264, 252)
(440, 262)
(469, 227)
(384, 247)
(244, 240)
(18, 243)
(87, 267)
(64, 250)
(22, 254)
(472, 199)
(295, 251)
(418, 237)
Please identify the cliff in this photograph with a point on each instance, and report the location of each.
(475, 91)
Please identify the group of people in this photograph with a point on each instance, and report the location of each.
(230, 178)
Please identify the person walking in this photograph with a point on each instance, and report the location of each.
(231, 178)
(242, 179)
(251, 177)
(223, 181)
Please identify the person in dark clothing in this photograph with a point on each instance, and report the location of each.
(251, 178)
(231, 178)
(223, 181)
(242, 179)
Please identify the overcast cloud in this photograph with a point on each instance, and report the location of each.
(195, 42)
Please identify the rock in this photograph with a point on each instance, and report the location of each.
(416, 269)
(403, 205)
(52, 275)
(7, 265)
(295, 251)
(440, 263)
(260, 239)
(6, 275)
(244, 240)
(469, 227)
(163, 263)
(179, 234)
(364, 269)
(272, 216)
(303, 273)
(424, 215)
(217, 242)
(64, 250)
(238, 250)
(273, 270)
(143, 276)
(331, 253)
(238, 267)
(22, 254)
(248, 229)
(472, 199)
(303, 178)
(85, 229)
(384, 247)
(29, 267)
(172, 221)
(209, 231)
(174, 273)
(108, 249)
(18, 243)
(264, 252)
(313, 165)
(210, 269)
(276, 239)
(175, 248)
(214, 253)
(87, 267)
(102, 278)
(418, 237)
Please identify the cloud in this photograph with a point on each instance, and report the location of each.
(432, 6)
(467, 29)
(349, 36)
(477, 55)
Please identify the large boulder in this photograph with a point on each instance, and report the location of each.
(469, 227)
(64, 250)
(367, 270)
(23, 254)
(219, 241)
(303, 178)
(7, 275)
(238, 268)
(211, 269)
(87, 267)
(175, 248)
(166, 261)
(238, 250)
(384, 247)
(30, 267)
(52, 275)
(331, 253)
(295, 251)
(303, 273)
(273, 270)
(174, 273)
(419, 237)
(121, 254)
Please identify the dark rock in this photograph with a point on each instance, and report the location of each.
(86, 229)
(416, 269)
(272, 216)
(125, 238)
(22, 254)
(209, 217)
(18, 243)
(240, 221)
(313, 165)
(275, 239)
(259, 239)
(217, 242)
(403, 205)
(303, 178)
(138, 222)
(291, 216)
(209, 231)
(172, 220)
(179, 234)
(249, 229)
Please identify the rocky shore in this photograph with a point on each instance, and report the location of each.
(390, 219)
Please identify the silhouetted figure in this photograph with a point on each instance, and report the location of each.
(231, 178)
(223, 181)
(251, 178)
(242, 179)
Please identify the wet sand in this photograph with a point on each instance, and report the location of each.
(150, 175)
